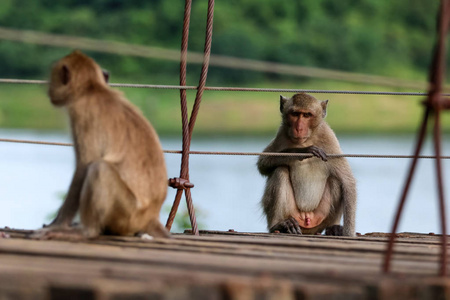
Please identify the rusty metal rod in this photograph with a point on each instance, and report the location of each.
(184, 168)
(437, 147)
(174, 209)
(434, 104)
(191, 211)
(412, 168)
(188, 128)
(205, 66)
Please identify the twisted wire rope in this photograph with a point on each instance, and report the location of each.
(240, 153)
(184, 168)
(184, 87)
(121, 48)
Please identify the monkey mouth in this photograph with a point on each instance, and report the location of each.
(299, 135)
(299, 139)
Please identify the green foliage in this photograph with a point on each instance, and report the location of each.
(230, 113)
(391, 38)
(182, 220)
(382, 37)
(61, 196)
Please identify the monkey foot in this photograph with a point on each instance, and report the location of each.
(4, 235)
(48, 233)
(145, 236)
(336, 230)
(287, 226)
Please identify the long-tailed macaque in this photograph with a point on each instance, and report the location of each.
(307, 194)
(120, 181)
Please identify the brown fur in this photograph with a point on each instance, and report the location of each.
(120, 181)
(300, 188)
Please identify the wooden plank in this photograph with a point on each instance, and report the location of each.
(224, 265)
(220, 246)
(255, 250)
(275, 261)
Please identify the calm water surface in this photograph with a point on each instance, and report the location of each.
(227, 188)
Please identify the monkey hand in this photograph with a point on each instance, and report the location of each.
(287, 226)
(336, 230)
(317, 152)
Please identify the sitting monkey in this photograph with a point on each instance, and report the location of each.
(307, 194)
(120, 181)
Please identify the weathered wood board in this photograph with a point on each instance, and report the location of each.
(220, 265)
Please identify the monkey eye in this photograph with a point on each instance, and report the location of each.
(295, 114)
(307, 115)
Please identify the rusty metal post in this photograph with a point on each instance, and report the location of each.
(184, 169)
(434, 105)
(182, 183)
(437, 147)
(412, 169)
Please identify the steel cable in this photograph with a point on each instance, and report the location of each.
(225, 153)
(184, 168)
(182, 87)
(120, 48)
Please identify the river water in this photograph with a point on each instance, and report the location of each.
(227, 188)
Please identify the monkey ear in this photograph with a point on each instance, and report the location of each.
(65, 75)
(283, 101)
(324, 108)
(105, 75)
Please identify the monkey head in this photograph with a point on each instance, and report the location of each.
(301, 114)
(72, 76)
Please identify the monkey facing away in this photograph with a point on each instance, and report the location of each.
(307, 194)
(120, 181)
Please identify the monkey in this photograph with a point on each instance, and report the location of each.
(120, 180)
(307, 194)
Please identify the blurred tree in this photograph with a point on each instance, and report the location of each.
(380, 37)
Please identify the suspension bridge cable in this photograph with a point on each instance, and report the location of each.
(239, 153)
(121, 48)
(232, 89)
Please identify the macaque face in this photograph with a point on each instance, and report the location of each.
(73, 74)
(301, 115)
(299, 121)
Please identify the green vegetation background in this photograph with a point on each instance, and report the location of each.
(388, 38)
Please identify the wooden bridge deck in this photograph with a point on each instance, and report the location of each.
(220, 265)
